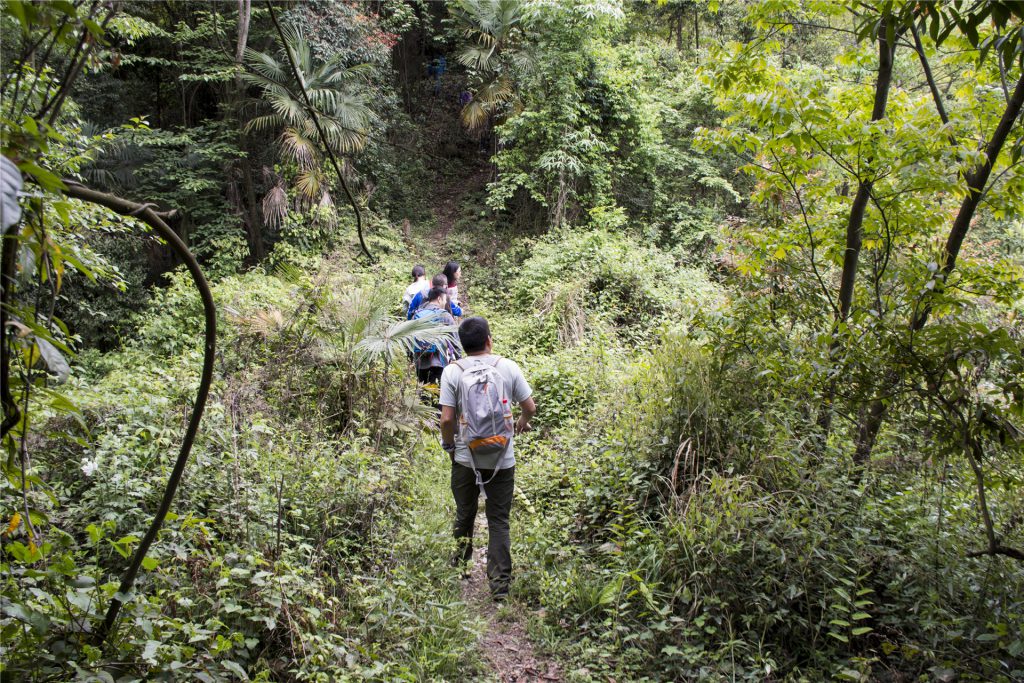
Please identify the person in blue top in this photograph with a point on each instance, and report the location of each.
(440, 65)
(431, 360)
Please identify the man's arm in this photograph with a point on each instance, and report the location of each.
(448, 429)
(529, 409)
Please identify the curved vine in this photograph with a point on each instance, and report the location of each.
(146, 213)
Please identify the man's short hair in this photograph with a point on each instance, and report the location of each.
(473, 334)
(440, 280)
(418, 271)
(436, 293)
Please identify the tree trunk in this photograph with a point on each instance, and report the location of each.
(244, 14)
(251, 219)
(696, 29)
(871, 421)
(855, 225)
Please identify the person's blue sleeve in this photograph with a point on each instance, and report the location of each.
(413, 305)
(456, 310)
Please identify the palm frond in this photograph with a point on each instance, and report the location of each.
(290, 273)
(477, 57)
(291, 111)
(263, 123)
(275, 207)
(309, 185)
(401, 337)
(264, 65)
(475, 115)
(299, 148)
(496, 91)
(341, 137)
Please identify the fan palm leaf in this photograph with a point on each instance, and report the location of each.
(298, 98)
(496, 90)
(309, 184)
(402, 337)
(298, 147)
(477, 57)
(474, 115)
(275, 207)
(333, 90)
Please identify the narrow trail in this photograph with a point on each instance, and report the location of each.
(504, 643)
(451, 192)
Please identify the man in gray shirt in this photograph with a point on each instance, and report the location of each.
(475, 337)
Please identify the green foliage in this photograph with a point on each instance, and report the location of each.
(251, 572)
(599, 284)
(679, 512)
(706, 545)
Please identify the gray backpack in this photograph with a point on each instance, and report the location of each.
(485, 416)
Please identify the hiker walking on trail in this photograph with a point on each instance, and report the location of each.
(453, 272)
(439, 281)
(431, 360)
(477, 429)
(420, 285)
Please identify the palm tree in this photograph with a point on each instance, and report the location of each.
(494, 56)
(340, 100)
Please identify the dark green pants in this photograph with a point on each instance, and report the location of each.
(498, 506)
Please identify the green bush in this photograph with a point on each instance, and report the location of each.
(708, 546)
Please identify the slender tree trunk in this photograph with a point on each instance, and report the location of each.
(871, 421)
(855, 226)
(696, 29)
(244, 14)
(252, 221)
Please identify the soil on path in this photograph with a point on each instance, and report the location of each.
(504, 643)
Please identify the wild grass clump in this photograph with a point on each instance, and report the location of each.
(579, 286)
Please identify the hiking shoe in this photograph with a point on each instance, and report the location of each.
(500, 595)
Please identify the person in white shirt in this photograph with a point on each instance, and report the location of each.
(420, 285)
(498, 484)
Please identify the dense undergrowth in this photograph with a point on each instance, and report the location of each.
(690, 531)
(295, 549)
(669, 524)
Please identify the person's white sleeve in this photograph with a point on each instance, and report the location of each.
(448, 387)
(521, 389)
